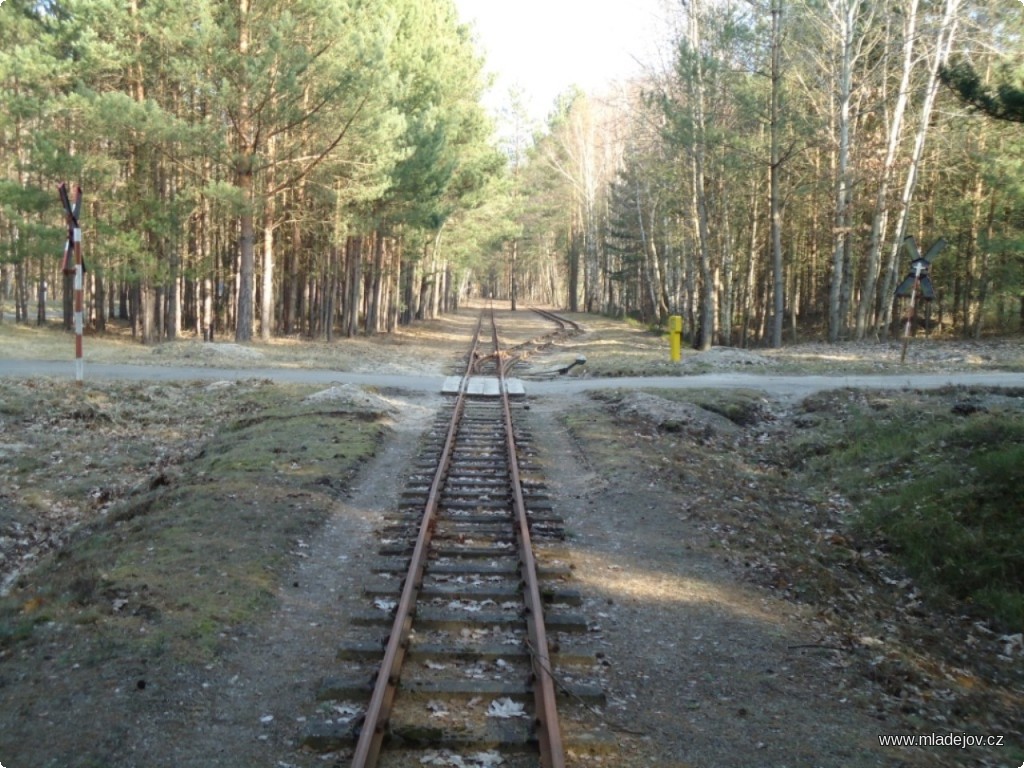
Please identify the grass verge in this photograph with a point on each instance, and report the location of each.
(194, 546)
(939, 484)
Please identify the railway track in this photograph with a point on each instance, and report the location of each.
(563, 323)
(472, 630)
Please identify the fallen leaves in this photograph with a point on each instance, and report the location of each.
(747, 502)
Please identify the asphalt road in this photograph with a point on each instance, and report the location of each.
(120, 372)
(776, 386)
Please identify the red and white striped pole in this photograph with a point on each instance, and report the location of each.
(74, 243)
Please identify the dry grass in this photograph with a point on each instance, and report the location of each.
(612, 348)
(147, 529)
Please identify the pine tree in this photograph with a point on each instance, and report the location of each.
(1002, 101)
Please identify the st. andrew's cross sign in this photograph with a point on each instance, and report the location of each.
(918, 284)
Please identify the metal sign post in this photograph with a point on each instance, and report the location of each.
(917, 285)
(74, 245)
(910, 312)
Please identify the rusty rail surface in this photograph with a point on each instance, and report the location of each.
(381, 700)
(560, 321)
(549, 736)
(379, 710)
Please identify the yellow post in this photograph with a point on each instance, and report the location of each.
(675, 337)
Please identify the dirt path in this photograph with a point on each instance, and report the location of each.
(705, 665)
(700, 668)
(258, 701)
(703, 670)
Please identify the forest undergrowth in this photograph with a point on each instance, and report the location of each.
(893, 516)
(147, 529)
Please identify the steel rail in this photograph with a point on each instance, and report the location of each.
(562, 322)
(549, 735)
(378, 711)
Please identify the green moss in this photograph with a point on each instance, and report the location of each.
(940, 487)
(176, 569)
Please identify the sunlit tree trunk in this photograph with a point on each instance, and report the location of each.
(513, 277)
(354, 285)
(269, 223)
(943, 45)
(244, 162)
(844, 13)
(749, 288)
(879, 218)
(778, 278)
(726, 295)
(699, 204)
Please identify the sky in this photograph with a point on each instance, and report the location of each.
(546, 46)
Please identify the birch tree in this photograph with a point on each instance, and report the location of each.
(844, 14)
(945, 33)
(880, 214)
(578, 153)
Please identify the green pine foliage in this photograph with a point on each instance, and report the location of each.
(327, 119)
(1002, 101)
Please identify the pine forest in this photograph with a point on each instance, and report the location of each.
(327, 168)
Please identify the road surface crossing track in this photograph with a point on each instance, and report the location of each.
(479, 452)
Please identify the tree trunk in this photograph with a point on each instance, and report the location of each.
(144, 311)
(980, 269)
(726, 294)
(943, 46)
(269, 222)
(869, 298)
(652, 272)
(267, 289)
(41, 293)
(513, 287)
(244, 162)
(845, 14)
(699, 203)
(376, 281)
(750, 287)
(331, 291)
(354, 282)
(393, 295)
(244, 306)
(292, 313)
(573, 287)
(21, 291)
(778, 278)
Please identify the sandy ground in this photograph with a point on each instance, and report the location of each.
(706, 661)
(418, 358)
